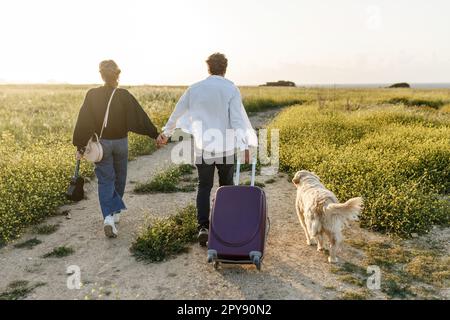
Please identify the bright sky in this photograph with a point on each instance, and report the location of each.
(167, 41)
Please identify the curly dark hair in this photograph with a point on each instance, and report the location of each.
(217, 64)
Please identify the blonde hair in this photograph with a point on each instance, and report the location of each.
(110, 72)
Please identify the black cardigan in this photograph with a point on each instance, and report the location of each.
(125, 114)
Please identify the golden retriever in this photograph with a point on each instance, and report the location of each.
(321, 214)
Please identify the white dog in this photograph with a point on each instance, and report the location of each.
(320, 213)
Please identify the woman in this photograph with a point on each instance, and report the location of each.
(125, 115)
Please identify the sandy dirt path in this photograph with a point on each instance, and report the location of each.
(291, 270)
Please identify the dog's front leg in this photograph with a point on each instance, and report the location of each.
(301, 218)
(311, 241)
(320, 246)
(334, 248)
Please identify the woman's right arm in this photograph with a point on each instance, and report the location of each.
(138, 120)
(85, 127)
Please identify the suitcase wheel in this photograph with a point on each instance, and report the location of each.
(257, 262)
(212, 255)
(255, 256)
(216, 265)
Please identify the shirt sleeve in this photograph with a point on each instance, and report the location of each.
(85, 126)
(244, 132)
(137, 119)
(180, 109)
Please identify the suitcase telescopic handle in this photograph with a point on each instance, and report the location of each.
(238, 171)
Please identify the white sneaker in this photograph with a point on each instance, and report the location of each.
(109, 227)
(117, 218)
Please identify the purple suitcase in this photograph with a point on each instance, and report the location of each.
(238, 226)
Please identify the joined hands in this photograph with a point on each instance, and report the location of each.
(161, 140)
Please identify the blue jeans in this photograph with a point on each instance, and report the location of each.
(111, 173)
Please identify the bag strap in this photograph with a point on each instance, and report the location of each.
(105, 120)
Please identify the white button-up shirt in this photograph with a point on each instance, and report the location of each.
(212, 111)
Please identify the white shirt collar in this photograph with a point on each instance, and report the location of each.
(216, 77)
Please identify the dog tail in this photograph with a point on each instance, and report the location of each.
(348, 211)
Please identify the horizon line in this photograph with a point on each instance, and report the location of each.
(6, 83)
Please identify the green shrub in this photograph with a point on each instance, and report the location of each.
(59, 252)
(46, 229)
(257, 183)
(397, 159)
(18, 290)
(28, 244)
(32, 182)
(429, 269)
(165, 237)
(261, 104)
(355, 295)
(435, 104)
(168, 181)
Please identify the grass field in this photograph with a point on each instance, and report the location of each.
(392, 148)
(36, 154)
(376, 143)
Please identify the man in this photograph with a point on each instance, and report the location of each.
(210, 110)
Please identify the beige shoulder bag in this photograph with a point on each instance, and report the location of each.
(94, 149)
